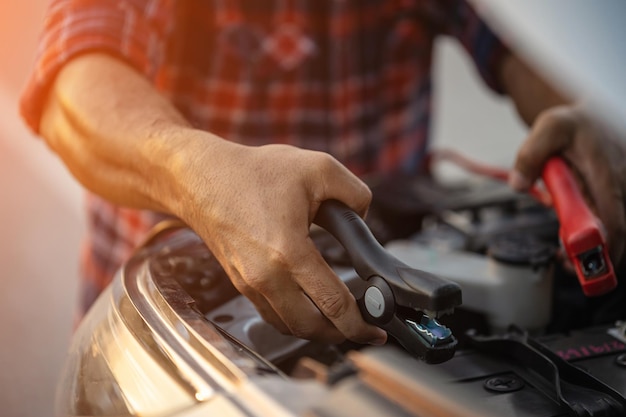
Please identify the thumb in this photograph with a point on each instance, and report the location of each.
(552, 132)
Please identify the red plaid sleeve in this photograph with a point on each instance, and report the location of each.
(458, 19)
(132, 30)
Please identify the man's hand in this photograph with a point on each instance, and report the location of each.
(253, 208)
(596, 156)
(594, 153)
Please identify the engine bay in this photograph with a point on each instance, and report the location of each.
(501, 247)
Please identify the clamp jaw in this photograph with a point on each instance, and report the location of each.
(404, 301)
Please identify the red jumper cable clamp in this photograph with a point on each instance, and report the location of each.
(581, 232)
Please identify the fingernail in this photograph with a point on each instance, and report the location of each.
(379, 341)
(518, 181)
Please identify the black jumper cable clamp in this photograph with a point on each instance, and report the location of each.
(404, 301)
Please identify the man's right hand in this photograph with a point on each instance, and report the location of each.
(253, 207)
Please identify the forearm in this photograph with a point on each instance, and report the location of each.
(530, 93)
(252, 206)
(116, 134)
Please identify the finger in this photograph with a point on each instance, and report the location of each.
(334, 300)
(282, 302)
(301, 316)
(268, 313)
(335, 181)
(552, 132)
(260, 302)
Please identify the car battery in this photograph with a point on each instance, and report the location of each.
(580, 374)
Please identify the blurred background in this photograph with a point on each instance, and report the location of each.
(41, 222)
(41, 218)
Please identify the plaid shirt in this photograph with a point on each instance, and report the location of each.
(347, 77)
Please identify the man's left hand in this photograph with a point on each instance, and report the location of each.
(596, 156)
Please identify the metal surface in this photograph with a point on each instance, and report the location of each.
(169, 350)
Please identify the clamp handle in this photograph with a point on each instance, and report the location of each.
(410, 287)
(581, 232)
(392, 295)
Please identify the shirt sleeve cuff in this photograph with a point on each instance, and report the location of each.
(488, 51)
(72, 28)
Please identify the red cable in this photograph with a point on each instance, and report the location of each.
(485, 170)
